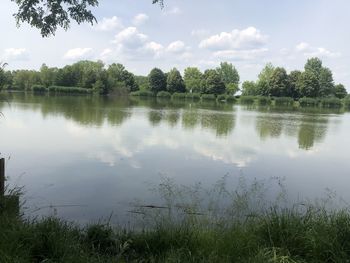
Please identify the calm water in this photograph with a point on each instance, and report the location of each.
(89, 156)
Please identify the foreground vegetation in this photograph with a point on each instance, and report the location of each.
(186, 229)
(276, 236)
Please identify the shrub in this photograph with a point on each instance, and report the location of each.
(39, 88)
(74, 90)
(193, 96)
(163, 94)
(331, 102)
(308, 102)
(142, 93)
(247, 99)
(347, 102)
(262, 100)
(287, 101)
(208, 97)
(221, 97)
(178, 95)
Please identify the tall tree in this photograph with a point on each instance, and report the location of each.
(326, 82)
(279, 84)
(264, 79)
(213, 83)
(193, 79)
(340, 91)
(175, 83)
(157, 80)
(293, 80)
(229, 75)
(308, 84)
(249, 88)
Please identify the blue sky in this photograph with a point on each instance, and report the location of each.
(185, 33)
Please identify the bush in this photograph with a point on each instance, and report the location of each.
(142, 93)
(178, 95)
(221, 97)
(247, 99)
(39, 88)
(73, 90)
(331, 102)
(208, 97)
(347, 102)
(287, 101)
(163, 94)
(193, 96)
(262, 100)
(308, 102)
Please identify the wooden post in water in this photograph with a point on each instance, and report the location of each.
(2, 177)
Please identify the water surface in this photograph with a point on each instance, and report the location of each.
(84, 157)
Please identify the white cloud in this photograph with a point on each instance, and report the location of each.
(130, 38)
(140, 19)
(15, 54)
(310, 51)
(176, 47)
(249, 38)
(78, 53)
(109, 24)
(155, 48)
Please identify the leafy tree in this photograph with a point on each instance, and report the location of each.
(157, 80)
(278, 83)
(193, 79)
(118, 76)
(314, 65)
(48, 15)
(175, 82)
(229, 75)
(264, 78)
(47, 75)
(340, 91)
(2, 74)
(249, 88)
(326, 82)
(308, 84)
(293, 80)
(213, 83)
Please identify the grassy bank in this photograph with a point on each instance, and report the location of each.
(276, 236)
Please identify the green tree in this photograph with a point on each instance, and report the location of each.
(2, 74)
(213, 83)
(229, 75)
(47, 75)
(308, 84)
(193, 79)
(48, 15)
(157, 80)
(314, 65)
(175, 83)
(326, 82)
(340, 91)
(264, 78)
(293, 80)
(119, 77)
(278, 83)
(249, 88)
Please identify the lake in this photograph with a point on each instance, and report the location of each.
(87, 158)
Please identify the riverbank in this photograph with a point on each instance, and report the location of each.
(275, 236)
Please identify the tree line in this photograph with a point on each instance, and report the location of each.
(315, 81)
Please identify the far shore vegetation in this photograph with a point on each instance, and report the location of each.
(309, 88)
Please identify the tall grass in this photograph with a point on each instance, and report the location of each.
(39, 88)
(142, 93)
(247, 99)
(72, 90)
(233, 225)
(285, 101)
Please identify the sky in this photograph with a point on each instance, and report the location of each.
(184, 33)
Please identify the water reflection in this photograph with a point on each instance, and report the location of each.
(104, 151)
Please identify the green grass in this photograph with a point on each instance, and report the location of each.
(142, 93)
(331, 102)
(179, 95)
(275, 236)
(193, 96)
(71, 90)
(39, 88)
(262, 100)
(164, 94)
(285, 101)
(247, 99)
(308, 102)
(208, 97)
